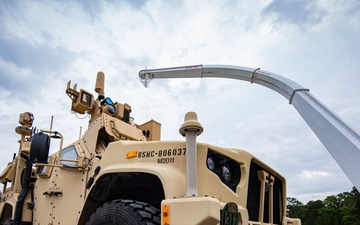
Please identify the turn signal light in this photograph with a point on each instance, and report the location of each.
(131, 154)
(165, 215)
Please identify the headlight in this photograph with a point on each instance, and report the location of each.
(226, 174)
(211, 163)
(227, 169)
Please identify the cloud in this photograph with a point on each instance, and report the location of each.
(299, 13)
(44, 44)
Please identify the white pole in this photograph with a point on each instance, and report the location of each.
(191, 128)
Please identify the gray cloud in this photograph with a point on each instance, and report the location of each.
(297, 12)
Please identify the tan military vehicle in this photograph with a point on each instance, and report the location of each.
(120, 172)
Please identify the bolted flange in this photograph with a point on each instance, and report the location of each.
(191, 124)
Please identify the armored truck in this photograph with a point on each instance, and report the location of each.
(120, 172)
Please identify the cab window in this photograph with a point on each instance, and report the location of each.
(69, 153)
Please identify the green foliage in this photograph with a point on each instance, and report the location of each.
(340, 209)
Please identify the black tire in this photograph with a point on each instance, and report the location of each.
(39, 148)
(125, 212)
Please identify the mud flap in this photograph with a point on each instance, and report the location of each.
(230, 214)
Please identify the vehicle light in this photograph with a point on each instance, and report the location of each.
(131, 154)
(111, 109)
(210, 162)
(107, 100)
(226, 173)
(165, 215)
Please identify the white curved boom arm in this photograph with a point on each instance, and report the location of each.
(342, 142)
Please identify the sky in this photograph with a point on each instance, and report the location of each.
(44, 44)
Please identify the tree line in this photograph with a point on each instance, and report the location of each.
(340, 209)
